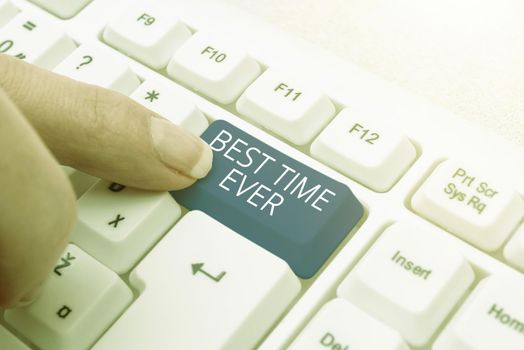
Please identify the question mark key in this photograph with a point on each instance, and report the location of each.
(98, 65)
(86, 60)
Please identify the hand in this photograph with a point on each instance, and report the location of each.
(47, 120)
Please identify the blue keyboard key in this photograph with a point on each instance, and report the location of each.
(284, 206)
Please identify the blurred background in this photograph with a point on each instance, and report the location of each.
(466, 55)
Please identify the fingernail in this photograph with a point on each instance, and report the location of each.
(180, 150)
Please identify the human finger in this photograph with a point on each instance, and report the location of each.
(37, 207)
(103, 132)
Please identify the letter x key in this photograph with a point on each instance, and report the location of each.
(116, 221)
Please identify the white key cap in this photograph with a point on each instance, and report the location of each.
(95, 64)
(167, 102)
(33, 39)
(491, 318)
(81, 181)
(148, 33)
(514, 250)
(7, 11)
(366, 150)
(341, 325)
(78, 301)
(409, 279)
(203, 287)
(62, 9)
(117, 225)
(219, 70)
(9, 342)
(286, 106)
(470, 204)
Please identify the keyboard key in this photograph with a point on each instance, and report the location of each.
(9, 342)
(340, 325)
(371, 152)
(286, 106)
(34, 40)
(409, 279)
(81, 181)
(95, 64)
(7, 11)
(203, 287)
(491, 318)
(167, 102)
(117, 225)
(514, 250)
(79, 300)
(282, 205)
(148, 33)
(470, 204)
(62, 9)
(219, 70)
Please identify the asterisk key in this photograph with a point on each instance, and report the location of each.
(152, 95)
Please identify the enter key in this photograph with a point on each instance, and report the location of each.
(284, 206)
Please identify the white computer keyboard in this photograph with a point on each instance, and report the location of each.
(436, 239)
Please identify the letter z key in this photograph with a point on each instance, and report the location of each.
(275, 201)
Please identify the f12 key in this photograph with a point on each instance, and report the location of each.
(275, 201)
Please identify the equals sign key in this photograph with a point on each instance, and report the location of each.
(29, 25)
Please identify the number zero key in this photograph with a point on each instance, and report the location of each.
(275, 201)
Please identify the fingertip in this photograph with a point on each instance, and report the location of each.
(203, 165)
(30, 297)
(179, 149)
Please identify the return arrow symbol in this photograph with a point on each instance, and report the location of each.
(198, 268)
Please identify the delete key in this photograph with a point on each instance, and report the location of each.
(282, 205)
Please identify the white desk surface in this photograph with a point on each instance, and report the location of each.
(466, 55)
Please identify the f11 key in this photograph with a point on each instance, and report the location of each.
(284, 206)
